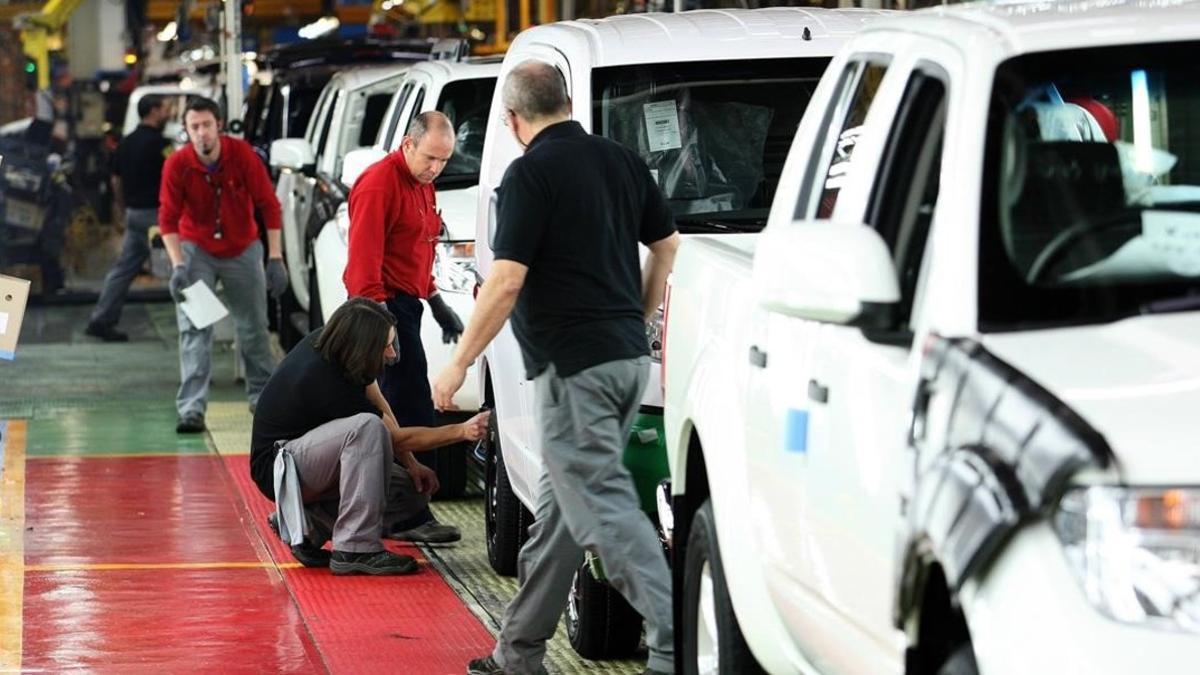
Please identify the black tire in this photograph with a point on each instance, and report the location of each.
(734, 656)
(316, 317)
(601, 624)
(960, 662)
(505, 519)
(452, 469)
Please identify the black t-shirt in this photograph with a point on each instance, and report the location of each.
(573, 210)
(139, 162)
(304, 392)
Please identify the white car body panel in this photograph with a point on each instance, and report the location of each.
(457, 207)
(809, 538)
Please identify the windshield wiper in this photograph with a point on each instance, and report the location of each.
(730, 223)
(1181, 303)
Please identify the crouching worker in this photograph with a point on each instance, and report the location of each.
(323, 445)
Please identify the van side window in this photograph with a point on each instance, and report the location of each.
(401, 99)
(859, 86)
(905, 193)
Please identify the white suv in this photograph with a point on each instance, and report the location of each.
(348, 115)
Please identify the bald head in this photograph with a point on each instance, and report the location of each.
(430, 121)
(535, 91)
(428, 145)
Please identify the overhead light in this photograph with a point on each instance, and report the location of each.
(168, 32)
(130, 59)
(321, 26)
(387, 5)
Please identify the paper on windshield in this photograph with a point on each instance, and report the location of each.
(201, 305)
(662, 125)
(1175, 236)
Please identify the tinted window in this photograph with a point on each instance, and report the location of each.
(714, 134)
(1091, 208)
(466, 103)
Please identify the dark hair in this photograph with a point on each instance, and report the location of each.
(202, 104)
(355, 337)
(536, 90)
(148, 104)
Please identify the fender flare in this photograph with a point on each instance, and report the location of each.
(998, 453)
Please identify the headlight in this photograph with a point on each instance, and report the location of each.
(654, 334)
(454, 266)
(1136, 552)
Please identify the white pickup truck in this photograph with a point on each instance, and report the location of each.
(938, 416)
(710, 101)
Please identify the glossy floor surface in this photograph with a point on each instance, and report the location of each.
(126, 548)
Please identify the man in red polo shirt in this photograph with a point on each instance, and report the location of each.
(394, 227)
(207, 199)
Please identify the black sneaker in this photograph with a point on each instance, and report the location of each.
(379, 563)
(431, 532)
(191, 423)
(106, 333)
(306, 553)
(310, 555)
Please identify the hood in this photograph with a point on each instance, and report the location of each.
(458, 211)
(1136, 381)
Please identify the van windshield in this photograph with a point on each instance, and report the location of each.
(1091, 209)
(715, 134)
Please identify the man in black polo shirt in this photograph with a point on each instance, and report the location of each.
(570, 215)
(137, 170)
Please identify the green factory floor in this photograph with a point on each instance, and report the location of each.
(82, 397)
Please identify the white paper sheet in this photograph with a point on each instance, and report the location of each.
(662, 125)
(3, 323)
(202, 306)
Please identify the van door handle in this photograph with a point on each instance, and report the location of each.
(818, 392)
(758, 358)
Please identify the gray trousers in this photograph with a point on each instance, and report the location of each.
(587, 502)
(245, 287)
(135, 249)
(351, 488)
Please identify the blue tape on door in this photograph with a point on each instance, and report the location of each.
(796, 431)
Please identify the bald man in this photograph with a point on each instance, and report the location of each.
(394, 227)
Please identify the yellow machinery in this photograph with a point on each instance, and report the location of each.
(38, 29)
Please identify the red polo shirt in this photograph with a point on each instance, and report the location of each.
(189, 192)
(394, 227)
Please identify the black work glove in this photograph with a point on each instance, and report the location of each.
(277, 277)
(180, 279)
(452, 326)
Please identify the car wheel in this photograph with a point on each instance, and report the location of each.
(505, 519)
(452, 466)
(601, 624)
(713, 643)
(960, 662)
(316, 316)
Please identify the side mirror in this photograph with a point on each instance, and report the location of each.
(292, 153)
(357, 161)
(823, 271)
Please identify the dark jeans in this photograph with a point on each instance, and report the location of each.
(134, 251)
(405, 384)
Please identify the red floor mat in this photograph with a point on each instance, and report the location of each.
(414, 625)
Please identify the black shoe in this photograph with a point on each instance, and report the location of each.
(485, 666)
(106, 333)
(431, 532)
(191, 423)
(379, 563)
(308, 554)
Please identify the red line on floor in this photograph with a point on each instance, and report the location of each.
(414, 625)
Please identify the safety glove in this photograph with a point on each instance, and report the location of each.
(180, 279)
(277, 277)
(452, 326)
